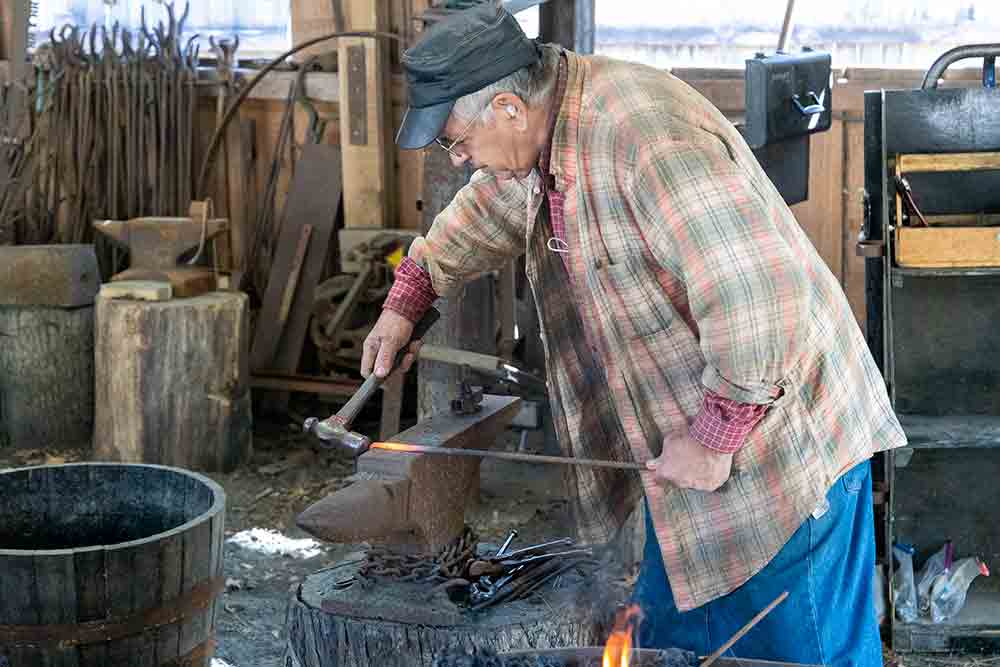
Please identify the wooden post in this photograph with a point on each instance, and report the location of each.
(365, 122)
(467, 317)
(312, 19)
(569, 23)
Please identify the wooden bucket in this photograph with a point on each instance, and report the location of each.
(109, 564)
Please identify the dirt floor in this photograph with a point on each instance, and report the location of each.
(286, 474)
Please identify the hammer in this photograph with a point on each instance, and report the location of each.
(334, 430)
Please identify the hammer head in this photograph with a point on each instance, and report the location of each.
(333, 434)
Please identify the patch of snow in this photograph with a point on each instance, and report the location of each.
(274, 543)
(219, 662)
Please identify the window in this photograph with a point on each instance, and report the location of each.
(263, 25)
(713, 33)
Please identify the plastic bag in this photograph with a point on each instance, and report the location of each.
(935, 567)
(949, 591)
(904, 591)
(878, 583)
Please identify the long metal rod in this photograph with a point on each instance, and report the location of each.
(742, 631)
(506, 456)
(786, 25)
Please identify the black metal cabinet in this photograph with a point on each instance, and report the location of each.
(935, 333)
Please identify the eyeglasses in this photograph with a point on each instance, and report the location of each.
(450, 148)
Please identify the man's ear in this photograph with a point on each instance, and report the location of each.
(512, 109)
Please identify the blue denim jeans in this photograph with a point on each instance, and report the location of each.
(826, 567)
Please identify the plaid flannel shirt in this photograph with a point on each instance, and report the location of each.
(687, 274)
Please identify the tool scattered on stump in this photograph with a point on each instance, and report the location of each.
(475, 580)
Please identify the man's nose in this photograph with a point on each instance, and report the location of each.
(458, 158)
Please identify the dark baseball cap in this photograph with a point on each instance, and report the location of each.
(462, 54)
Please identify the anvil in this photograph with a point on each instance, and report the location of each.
(414, 501)
(155, 245)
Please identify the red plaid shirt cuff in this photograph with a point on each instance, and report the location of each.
(723, 424)
(411, 293)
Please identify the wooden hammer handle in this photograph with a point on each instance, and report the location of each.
(372, 383)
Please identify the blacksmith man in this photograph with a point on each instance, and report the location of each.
(688, 323)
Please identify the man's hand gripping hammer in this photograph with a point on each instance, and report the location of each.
(334, 431)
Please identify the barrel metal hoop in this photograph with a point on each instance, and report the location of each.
(66, 635)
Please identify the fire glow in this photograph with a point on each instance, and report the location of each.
(396, 447)
(618, 650)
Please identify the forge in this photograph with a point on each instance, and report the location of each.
(587, 656)
(592, 656)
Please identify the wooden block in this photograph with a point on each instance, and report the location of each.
(948, 162)
(821, 216)
(140, 290)
(948, 247)
(48, 275)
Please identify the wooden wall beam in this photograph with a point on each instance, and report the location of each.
(365, 122)
(569, 23)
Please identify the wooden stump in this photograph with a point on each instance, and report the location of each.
(46, 376)
(172, 381)
(47, 345)
(396, 625)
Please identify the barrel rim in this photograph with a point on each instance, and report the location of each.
(217, 507)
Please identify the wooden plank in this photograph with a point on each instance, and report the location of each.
(912, 162)
(288, 294)
(312, 18)
(365, 121)
(197, 569)
(19, 603)
(727, 95)
(236, 157)
(91, 592)
(964, 220)
(314, 200)
(121, 577)
(308, 384)
(933, 247)
(410, 182)
(145, 596)
(821, 215)
(169, 586)
(854, 179)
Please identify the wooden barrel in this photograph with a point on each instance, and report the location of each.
(107, 565)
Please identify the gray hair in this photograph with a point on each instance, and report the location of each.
(533, 84)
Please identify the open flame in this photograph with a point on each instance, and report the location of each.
(618, 650)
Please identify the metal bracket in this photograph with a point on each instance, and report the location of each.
(357, 101)
(469, 401)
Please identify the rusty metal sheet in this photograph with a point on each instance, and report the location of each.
(357, 102)
(49, 275)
